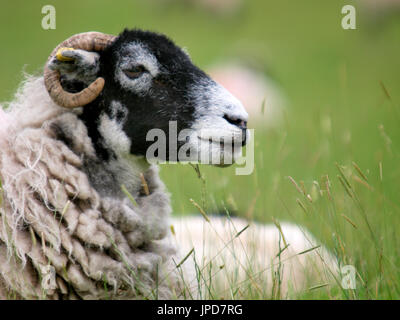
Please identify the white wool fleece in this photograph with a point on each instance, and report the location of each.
(53, 222)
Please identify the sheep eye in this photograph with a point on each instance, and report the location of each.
(135, 72)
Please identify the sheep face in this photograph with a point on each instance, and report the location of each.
(150, 83)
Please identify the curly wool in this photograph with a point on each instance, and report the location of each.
(53, 220)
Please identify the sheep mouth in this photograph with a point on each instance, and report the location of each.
(228, 144)
(223, 152)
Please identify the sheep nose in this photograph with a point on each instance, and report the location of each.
(236, 121)
(240, 123)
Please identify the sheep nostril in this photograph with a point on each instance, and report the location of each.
(240, 123)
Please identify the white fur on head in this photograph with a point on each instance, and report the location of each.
(135, 54)
(214, 103)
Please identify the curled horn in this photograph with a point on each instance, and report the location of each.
(89, 41)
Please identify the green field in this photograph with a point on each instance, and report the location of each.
(340, 140)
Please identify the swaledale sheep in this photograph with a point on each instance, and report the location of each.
(69, 141)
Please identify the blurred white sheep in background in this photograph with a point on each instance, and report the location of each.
(260, 95)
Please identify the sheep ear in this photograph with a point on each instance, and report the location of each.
(76, 63)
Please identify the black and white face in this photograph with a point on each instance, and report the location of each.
(149, 83)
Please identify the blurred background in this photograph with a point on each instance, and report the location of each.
(324, 102)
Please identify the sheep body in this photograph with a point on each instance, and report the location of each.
(233, 254)
(51, 214)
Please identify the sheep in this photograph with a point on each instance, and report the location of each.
(251, 259)
(84, 215)
(254, 89)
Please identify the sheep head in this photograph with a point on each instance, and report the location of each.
(140, 81)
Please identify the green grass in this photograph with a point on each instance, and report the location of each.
(343, 114)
